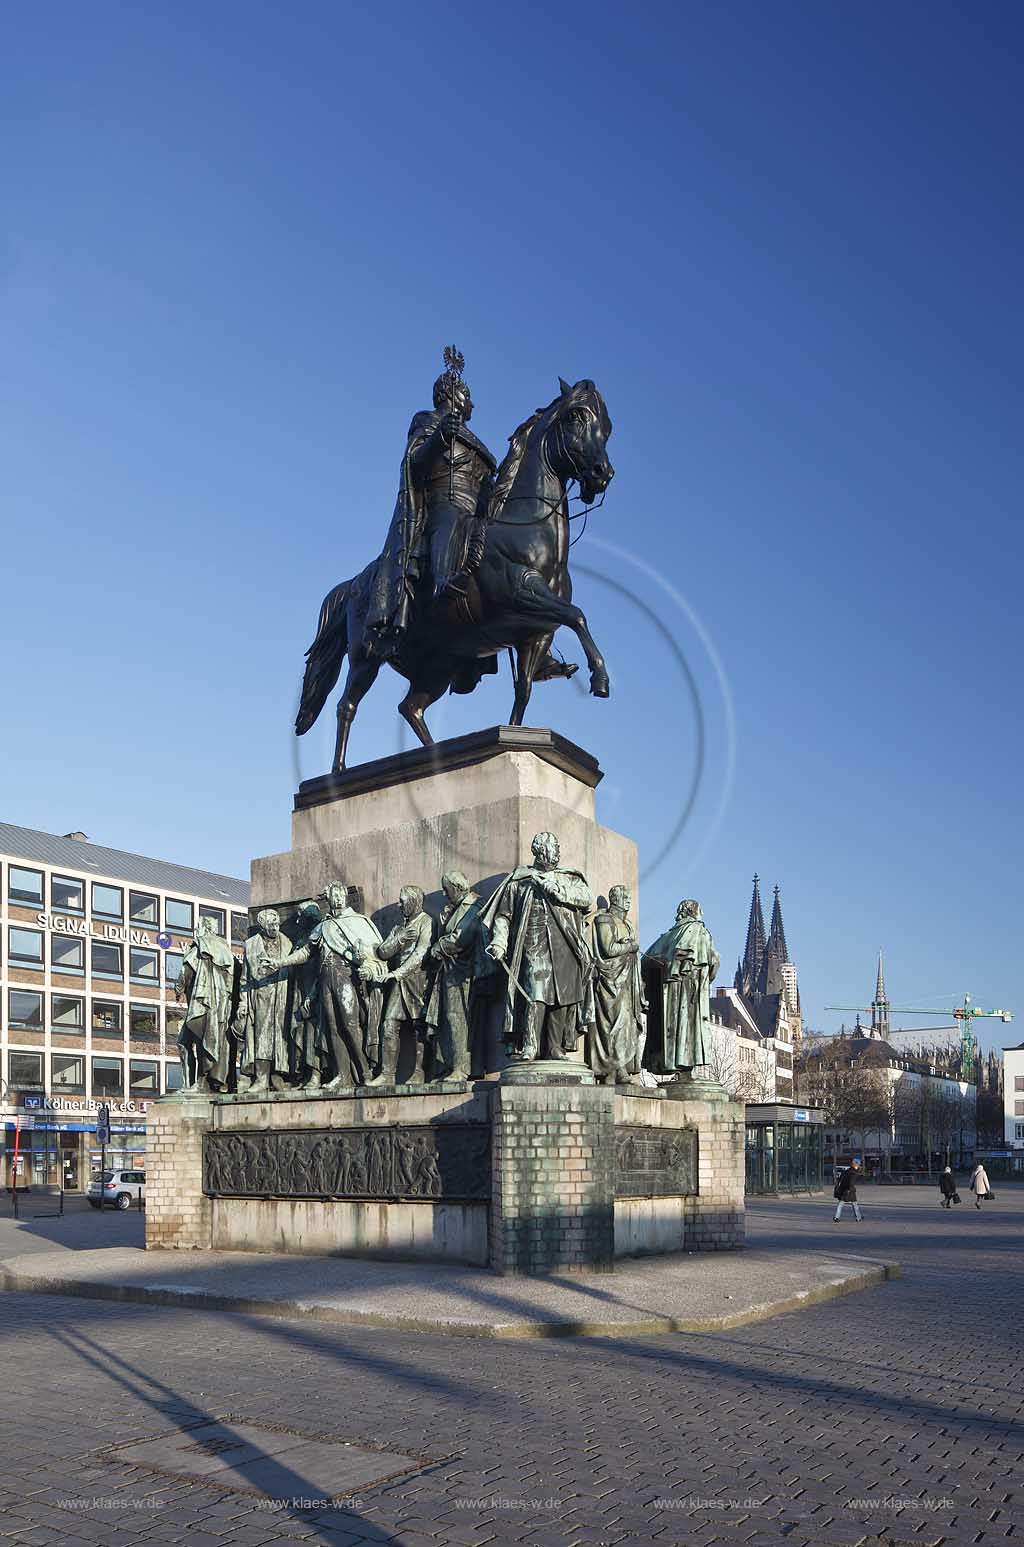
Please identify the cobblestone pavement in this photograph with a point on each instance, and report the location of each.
(893, 1416)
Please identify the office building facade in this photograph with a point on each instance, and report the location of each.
(92, 945)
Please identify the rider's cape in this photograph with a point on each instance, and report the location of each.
(400, 564)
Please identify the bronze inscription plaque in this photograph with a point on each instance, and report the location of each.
(655, 1162)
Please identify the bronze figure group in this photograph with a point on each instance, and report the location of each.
(535, 967)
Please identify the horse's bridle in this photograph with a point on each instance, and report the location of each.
(555, 505)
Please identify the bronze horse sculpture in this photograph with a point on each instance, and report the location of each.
(520, 591)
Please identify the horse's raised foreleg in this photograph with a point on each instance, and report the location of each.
(553, 612)
(362, 674)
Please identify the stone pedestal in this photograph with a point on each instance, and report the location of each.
(552, 1173)
(273, 1177)
(538, 1170)
(177, 1211)
(472, 803)
(542, 1171)
(714, 1215)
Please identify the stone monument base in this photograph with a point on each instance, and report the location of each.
(536, 1168)
(529, 1177)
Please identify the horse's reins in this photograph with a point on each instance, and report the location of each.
(554, 505)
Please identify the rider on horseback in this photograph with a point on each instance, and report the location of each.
(446, 481)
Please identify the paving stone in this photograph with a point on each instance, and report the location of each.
(843, 1423)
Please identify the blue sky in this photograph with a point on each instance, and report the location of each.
(785, 241)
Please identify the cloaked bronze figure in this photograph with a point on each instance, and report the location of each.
(446, 480)
(475, 562)
(679, 969)
(536, 923)
(207, 983)
(620, 1005)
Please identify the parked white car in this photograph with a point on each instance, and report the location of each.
(122, 1188)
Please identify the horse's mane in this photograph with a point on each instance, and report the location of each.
(517, 443)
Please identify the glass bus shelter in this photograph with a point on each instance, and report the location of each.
(785, 1150)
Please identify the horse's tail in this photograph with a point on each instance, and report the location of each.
(325, 655)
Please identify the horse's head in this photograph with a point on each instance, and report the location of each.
(582, 428)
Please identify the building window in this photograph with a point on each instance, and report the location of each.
(144, 1020)
(25, 1070)
(239, 928)
(173, 963)
(24, 947)
(24, 1009)
(67, 895)
(67, 953)
(216, 914)
(67, 1073)
(107, 960)
(67, 1013)
(107, 1077)
(1020, 1130)
(107, 901)
(1018, 1109)
(174, 1077)
(144, 908)
(25, 886)
(144, 966)
(1018, 1082)
(143, 1078)
(107, 1017)
(178, 915)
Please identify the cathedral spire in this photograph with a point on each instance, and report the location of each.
(880, 1004)
(748, 978)
(777, 934)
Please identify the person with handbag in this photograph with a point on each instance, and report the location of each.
(846, 1191)
(979, 1185)
(947, 1186)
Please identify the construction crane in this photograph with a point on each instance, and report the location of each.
(966, 1014)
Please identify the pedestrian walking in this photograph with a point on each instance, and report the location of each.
(846, 1191)
(947, 1186)
(979, 1185)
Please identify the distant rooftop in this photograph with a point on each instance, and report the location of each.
(75, 854)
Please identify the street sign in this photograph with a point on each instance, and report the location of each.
(103, 1125)
(801, 1115)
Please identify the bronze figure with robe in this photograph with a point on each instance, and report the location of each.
(679, 969)
(460, 962)
(207, 983)
(536, 924)
(620, 1005)
(446, 479)
(264, 1005)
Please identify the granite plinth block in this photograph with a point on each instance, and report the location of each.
(472, 803)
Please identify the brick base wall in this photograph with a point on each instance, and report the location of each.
(177, 1212)
(714, 1218)
(552, 1160)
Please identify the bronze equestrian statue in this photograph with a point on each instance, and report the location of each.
(476, 562)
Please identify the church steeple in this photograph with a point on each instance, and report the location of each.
(748, 975)
(777, 934)
(880, 1004)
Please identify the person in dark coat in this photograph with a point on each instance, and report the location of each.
(846, 1190)
(947, 1186)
